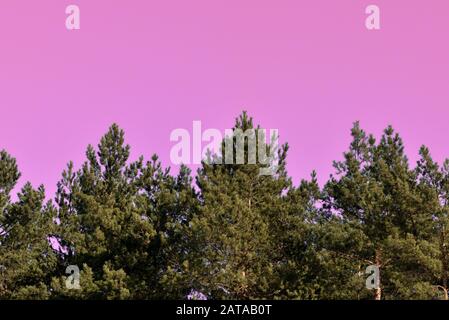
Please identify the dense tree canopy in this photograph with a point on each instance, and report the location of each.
(137, 231)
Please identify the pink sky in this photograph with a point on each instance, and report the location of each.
(307, 67)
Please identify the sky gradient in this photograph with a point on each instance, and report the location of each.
(309, 68)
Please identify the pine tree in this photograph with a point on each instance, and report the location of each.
(137, 231)
(379, 198)
(122, 223)
(169, 202)
(100, 224)
(434, 182)
(27, 259)
(238, 237)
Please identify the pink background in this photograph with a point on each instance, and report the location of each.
(309, 68)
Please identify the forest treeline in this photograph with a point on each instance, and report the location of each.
(137, 231)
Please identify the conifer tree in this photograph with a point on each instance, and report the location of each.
(238, 238)
(434, 182)
(379, 198)
(122, 223)
(27, 259)
(100, 225)
(137, 231)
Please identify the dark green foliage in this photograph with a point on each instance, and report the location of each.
(234, 236)
(137, 231)
(27, 259)
(390, 211)
(123, 222)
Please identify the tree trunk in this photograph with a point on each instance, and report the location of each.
(378, 290)
(443, 258)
